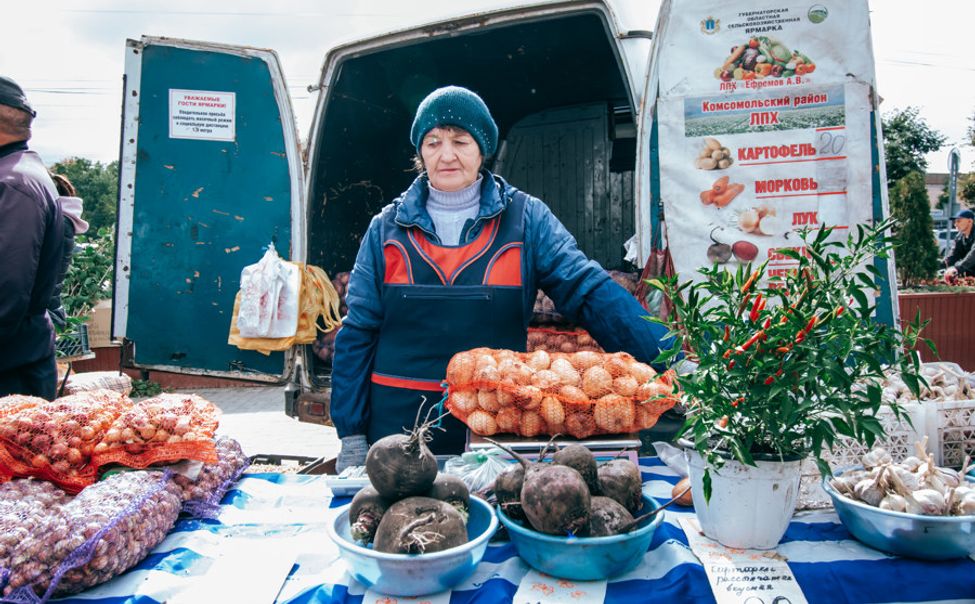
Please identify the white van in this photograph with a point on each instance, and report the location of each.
(211, 169)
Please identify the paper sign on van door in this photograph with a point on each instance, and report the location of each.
(202, 115)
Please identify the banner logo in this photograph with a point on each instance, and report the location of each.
(710, 25)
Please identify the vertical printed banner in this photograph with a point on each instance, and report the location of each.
(764, 128)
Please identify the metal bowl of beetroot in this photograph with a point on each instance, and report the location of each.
(584, 558)
(415, 574)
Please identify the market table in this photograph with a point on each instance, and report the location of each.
(271, 530)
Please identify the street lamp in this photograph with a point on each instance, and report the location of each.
(954, 159)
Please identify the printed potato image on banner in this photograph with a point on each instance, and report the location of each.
(745, 47)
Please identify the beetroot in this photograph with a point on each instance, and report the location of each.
(579, 457)
(608, 517)
(453, 490)
(507, 488)
(367, 509)
(554, 498)
(401, 465)
(620, 479)
(418, 525)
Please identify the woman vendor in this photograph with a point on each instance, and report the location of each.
(454, 263)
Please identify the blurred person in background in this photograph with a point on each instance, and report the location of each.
(31, 245)
(71, 208)
(961, 261)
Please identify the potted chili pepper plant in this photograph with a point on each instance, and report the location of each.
(786, 365)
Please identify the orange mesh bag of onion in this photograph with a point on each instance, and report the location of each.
(532, 393)
(168, 427)
(55, 440)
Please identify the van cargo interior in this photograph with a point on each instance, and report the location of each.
(557, 90)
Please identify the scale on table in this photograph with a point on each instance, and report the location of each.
(604, 448)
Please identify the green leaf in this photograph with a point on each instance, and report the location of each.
(707, 484)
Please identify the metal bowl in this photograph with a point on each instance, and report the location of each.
(583, 558)
(419, 574)
(903, 534)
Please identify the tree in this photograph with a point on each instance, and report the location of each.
(966, 189)
(917, 253)
(907, 138)
(97, 185)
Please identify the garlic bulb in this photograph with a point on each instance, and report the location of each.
(931, 502)
(877, 457)
(894, 502)
(869, 491)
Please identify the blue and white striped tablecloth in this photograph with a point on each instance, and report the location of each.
(291, 511)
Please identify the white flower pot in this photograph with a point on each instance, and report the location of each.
(750, 507)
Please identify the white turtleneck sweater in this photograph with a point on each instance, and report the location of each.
(450, 210)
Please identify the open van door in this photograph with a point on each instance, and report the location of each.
(210, 174)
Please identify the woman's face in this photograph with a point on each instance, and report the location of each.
(451, 157)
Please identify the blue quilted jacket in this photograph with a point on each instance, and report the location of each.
(552, 261)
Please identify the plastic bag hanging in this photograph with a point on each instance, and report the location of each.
(269, 292)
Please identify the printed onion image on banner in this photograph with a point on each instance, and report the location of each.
(742, 175)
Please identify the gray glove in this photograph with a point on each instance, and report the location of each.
(353, 452)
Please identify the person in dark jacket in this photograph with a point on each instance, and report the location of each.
(454, 263)
(961, 261)
(71, 208)
(31, 245)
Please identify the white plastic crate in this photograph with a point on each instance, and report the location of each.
(899, 442)
(951, 431)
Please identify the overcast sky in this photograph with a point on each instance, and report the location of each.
(68, 54)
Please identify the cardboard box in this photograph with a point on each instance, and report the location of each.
(100, 325)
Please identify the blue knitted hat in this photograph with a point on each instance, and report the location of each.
(456, 106)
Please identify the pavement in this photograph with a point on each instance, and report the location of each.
(255, 418)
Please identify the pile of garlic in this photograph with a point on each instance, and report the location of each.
(946, 382)
(915, 485)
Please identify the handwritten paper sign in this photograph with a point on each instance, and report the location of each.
(539, 588)
(741, 576)
(372, 597)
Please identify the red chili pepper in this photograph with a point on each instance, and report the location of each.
(731, 364)
(778, 373)
(727, 333)
(727, 353)
(743, 304)
(758, 335)
(767, 323)
(769, 380)
(839, 310)
(811, 324)
(737, 401)
(783, 349)
(756, 308)
(723, 422)
(748, 284)
(800, 336)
